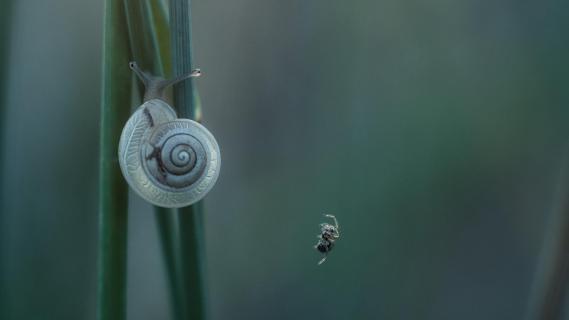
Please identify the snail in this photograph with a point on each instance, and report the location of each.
(168, 161)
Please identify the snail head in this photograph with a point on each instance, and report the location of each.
(156, 86)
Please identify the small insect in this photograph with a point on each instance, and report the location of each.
(328, 235)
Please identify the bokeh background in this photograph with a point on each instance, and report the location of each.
(434, 130)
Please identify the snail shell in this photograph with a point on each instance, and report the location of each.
(169, 162)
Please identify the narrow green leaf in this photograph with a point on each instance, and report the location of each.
(149, 39)
(180, 34)
(5, 27)
(190, 223)
(113, 192)
(159, 19)
(192, 253)
(167, 223)
(142, 37)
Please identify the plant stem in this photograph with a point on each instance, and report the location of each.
(143, 36)
(191, 248)
(146, 23)
(5, 27)
(167, 229)
(185, 99)
(113, 192)
(159, 16)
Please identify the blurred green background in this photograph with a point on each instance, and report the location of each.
(433, 130)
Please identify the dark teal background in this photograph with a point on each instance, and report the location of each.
(433, 130)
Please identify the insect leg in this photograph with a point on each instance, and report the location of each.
(323, 259)
(334, 218)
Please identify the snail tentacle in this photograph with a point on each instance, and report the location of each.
(193, 74)
(143, 76)
(156, 86)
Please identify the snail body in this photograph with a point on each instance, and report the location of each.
(170, 162)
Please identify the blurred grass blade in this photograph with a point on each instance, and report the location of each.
(190, 224)
(552, 277)
(191, 249)
(149, 40)
(5, 27)
(185, 98)
(113, 192)
(158, 16)
(142, 36)
(167, 230)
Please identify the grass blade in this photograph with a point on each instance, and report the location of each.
(167, 229)
(143, 37)
(149, 39)
(158, 16)
(185, 97)
(113, 192)
(191, 249)
(5, 27)
(190, 224)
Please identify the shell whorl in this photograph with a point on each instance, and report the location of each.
(170, 162)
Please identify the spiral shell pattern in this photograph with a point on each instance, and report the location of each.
(170, 162)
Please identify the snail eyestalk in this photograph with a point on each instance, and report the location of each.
(143, 76)
(155, 86)
(194, 74)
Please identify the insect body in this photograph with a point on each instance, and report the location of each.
(328, 235)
